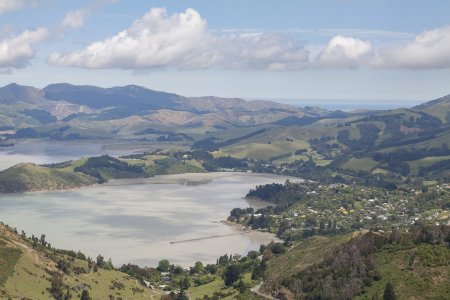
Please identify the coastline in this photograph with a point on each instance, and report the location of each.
(181, 178)
(263, 238)
(147, 217)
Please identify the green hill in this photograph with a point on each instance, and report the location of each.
(30, 177)
(31, 269)
(74, 174)
(361, 143)
(439, 108)
(360, 265)
(406, 142)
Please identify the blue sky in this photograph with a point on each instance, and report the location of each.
(305, 52)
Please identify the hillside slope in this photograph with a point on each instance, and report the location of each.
(106, 108)
(439, 108)
(30, 177)
(360, 266)
(406, 142)
(84, 172)
(33, 270)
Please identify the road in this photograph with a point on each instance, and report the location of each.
(256, 291)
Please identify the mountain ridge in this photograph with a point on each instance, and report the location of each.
(405, 141)
(92, 103)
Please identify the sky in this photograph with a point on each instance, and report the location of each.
(357, 52)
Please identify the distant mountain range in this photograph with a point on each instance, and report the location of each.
(133, 106)
(399, 141)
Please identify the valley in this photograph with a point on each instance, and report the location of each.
(159, 176)
(224, 150)
(404, 141)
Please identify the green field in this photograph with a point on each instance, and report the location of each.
(364, 164)
(262, 151)
(425, 162)
(197, 292)
(8, 260)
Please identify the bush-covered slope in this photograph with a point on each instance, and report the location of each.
(415, 264)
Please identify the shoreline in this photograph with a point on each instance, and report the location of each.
(181, 178)
(132, 220)
(254, 234)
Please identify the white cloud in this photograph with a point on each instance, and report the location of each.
(75, 18)
(182, 41)
(346, 52)
(11, 5)
(270, 51)
(429, 50)
(154, 40)
(17, 51)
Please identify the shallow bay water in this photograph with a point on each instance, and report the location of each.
(46, 151)
(136, 220)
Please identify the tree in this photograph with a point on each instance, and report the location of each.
(109, 265)
(232, 274)
(178, 270)
(198, 267)
(223, 259)
(278, 248)
(257, 272)
(42, 240)
(100, 261)
(241, 286)
(90, 262)
(56, 287)
(185, 283)
(389, 293)
(211, 268)
(163, 265)
(85, 295)
(63, 265)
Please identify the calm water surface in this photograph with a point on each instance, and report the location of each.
(135, 221)
(45, 152)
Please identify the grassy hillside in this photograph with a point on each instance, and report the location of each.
(74, 174)
(303, 255)
(129, 111)
(417, 272)
(364, 143)
(406, 142)
(29, 270)
(360, 265)
(266, 151)
(31, 177)
(439, 108)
